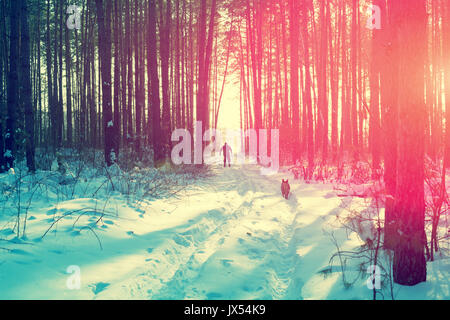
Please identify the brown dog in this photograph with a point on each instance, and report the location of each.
(285, 188)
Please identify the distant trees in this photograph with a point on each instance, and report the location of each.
(95, 91)
(303, 64)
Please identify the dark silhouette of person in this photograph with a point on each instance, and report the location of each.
(226, 150)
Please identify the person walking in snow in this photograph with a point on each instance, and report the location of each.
(226, 150)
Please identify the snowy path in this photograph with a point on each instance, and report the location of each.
(244, 248)
(234, 237)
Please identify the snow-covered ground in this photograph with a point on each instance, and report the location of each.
(231, 236)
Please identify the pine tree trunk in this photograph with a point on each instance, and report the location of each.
(322, 81)
(354, 64)
(104, 43)
(446, 52)
(154, 81)
(374, 125)
(388, 89)
(129, 112)
(165, 50)
(409, 265)
(12, 103)
(2, 93)
(68, 59)
(117, 77)
(25, 82)
(137, 84)
(295, 102)
(334, 87)
(308, 83)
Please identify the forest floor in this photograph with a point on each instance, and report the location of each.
(229, 236)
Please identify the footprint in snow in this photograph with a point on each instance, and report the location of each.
(75, 233)
(20, 252)
(254, 254)
(7, 232)
(213, 295)
(249, 289)
(99, 287)
(329, 195)
(226, 262)
(52, 212)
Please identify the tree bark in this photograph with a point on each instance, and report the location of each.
(104, 42)
(295, 99)
(409, 265)
(12, 103)
(158, 155)
(25, 81)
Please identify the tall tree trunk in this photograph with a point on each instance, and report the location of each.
(104, 43)
(12, 103)
(374, 125)
(129, 112)
(68, 59)
(388, 89)
(60, 76)
(204, 56)
(295, 102)
(2, 93)
(124, 81)
(354, 64)
(346, 126)
(117, 77)
(158, 155)
(137, 83)
(322, 80)
(208, 54)
(48, 49)
(164, 54)
(409, 265)
(334, 85)
(25, 82)
(177, 79)
(446, 52)
(308, 84)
